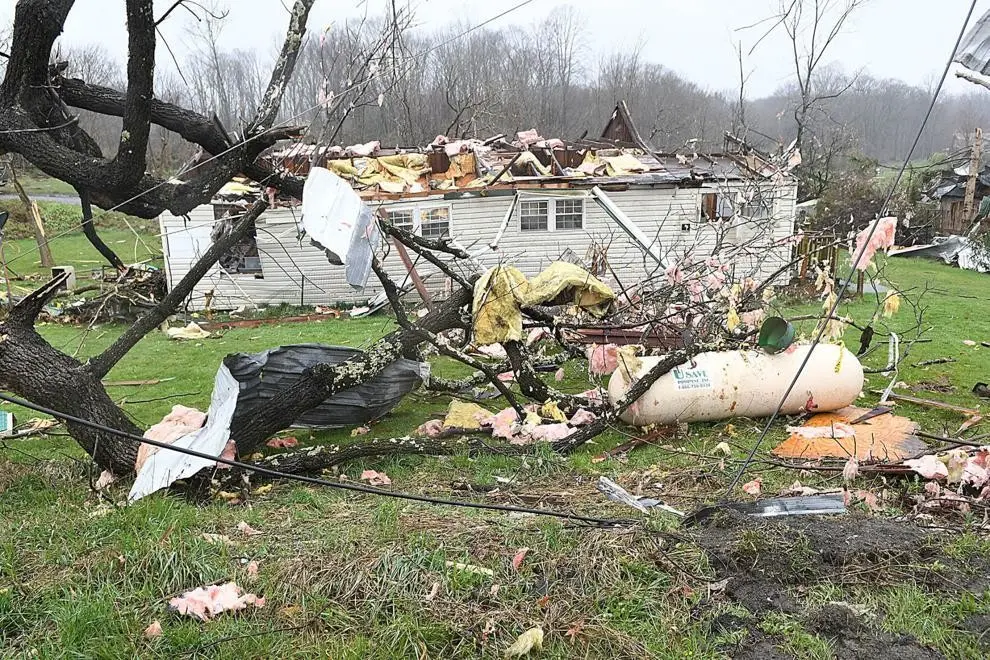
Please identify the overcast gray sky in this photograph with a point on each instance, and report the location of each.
(905, 39)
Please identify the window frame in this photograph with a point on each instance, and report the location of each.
(552, 213)
(419, 212)
(220, 214)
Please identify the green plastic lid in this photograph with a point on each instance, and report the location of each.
(775, 335)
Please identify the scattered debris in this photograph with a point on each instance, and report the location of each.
(502, 291)
(262, 375)
(660, 433)
(430, 429)
(517, 559)
(105, 479)
(959, 250)
(982, 390)
(135, 383)
(853, 431)
(531, 640)
(203, 603)
(162, 468)
(470, 568)
(617, 493)
(287, 442)
(188, 332)
(7, 423)
(928, 363)
(973, 416)
(465, 415)
(337, 221)
(216, 539)
(247, 530)
(376, 478)
(754, 487)
(154, 630)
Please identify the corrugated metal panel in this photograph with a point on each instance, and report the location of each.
(974, 51)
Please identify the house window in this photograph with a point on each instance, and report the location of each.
(755, 208)
(551, 215)
(427, 221)
(403, 219)
(715, 206)
(435, 222)
(243, 257)
(534, 216)
(569, 214)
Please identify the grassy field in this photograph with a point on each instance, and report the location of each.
(39, 184)
(349, 576)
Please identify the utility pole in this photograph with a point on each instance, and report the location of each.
(974, 171)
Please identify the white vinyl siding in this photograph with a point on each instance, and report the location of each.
(297, 273)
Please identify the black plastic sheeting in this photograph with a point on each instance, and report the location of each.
(263, 375)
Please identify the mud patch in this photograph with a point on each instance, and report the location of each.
(979, 626)
(808, 549)
(760, 596)
(851, 639)
(759, 647)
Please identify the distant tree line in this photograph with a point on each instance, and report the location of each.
(502, 80)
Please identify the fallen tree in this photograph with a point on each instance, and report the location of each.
(35, 122)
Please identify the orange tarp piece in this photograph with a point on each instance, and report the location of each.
(886, 437)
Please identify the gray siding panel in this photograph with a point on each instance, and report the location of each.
(297, 273)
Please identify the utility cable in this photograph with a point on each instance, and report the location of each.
(359, 488)
(856, 259)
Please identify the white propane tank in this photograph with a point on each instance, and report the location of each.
(722, 385)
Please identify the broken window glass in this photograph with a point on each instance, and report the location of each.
(243, 257)
(534, 216)
(715, 206)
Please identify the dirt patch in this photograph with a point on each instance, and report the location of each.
(759, 647)
(940, 384)
(759, 596)
(807, 549)
(852, 639)
(848, 635)
(978, 625)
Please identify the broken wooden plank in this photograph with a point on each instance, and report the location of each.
(421, 289)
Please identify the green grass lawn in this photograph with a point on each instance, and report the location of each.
(39, 184)
(73, 249)
(349, 576)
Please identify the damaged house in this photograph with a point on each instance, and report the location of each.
(949, 189)
(613, 205)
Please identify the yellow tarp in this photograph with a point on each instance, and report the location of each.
(502, 291)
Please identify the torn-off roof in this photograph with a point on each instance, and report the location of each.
(619, 158)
